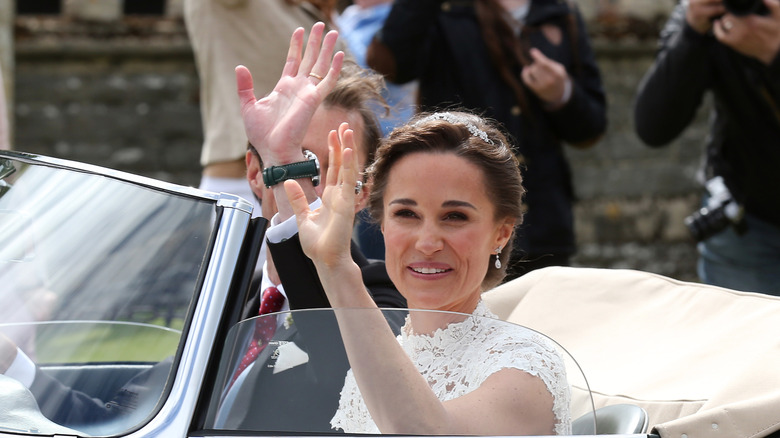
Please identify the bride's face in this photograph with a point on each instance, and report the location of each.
(439, 230)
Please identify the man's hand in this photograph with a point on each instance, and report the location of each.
(546, 78)
(757, 36)
(276, 124)
(701, 13)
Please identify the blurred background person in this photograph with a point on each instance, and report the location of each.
(731, 49)
(527, 64)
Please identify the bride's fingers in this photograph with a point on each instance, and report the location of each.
(312, 51)
(348, 173)
(297, 198)
(343, 127)
(334, 158)
(294, 53)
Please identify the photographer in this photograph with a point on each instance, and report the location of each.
(729, 47)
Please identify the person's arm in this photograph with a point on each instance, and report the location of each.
(673, 89)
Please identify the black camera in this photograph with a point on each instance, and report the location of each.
(746, 7)
(720, 212)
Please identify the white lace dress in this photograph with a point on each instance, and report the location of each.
(457, 359)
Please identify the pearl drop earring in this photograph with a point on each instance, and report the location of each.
(498, 261)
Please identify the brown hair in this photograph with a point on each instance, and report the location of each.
(360, 90)
(465, 135)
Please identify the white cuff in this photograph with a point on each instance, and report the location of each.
(566, 92)
(279, 232)
(22, 369)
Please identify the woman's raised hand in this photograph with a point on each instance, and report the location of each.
(326, 233)
(276, 124)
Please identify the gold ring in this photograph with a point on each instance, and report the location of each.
(315, 75)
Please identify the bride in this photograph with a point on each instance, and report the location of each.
(446, 191)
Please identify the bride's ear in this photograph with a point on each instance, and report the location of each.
(504, 232)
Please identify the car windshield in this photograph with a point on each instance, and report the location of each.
(297, 377)
(97, 277)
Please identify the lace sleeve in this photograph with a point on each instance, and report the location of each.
(534, 355)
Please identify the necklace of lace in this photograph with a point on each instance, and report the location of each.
(457, 359)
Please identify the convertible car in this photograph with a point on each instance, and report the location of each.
(120, 316)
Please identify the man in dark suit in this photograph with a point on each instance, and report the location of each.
(283, 135)
(288, 133)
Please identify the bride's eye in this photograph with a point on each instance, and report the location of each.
(404, 213)
(455, 216)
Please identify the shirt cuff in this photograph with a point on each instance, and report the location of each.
(22, 369)
(279, 232)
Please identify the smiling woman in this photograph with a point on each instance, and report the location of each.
(447, 228)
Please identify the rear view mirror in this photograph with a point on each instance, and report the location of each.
(6, 169)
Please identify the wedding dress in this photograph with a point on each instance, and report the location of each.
(457, 359)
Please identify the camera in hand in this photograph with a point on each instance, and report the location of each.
(720, 212)
(746, 7)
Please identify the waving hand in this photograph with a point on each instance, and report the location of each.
(276, 124)
(326, 233)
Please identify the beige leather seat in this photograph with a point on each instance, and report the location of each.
(701, 360)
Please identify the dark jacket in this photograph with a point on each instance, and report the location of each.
(744, 142)
(302, 283)
(441, 44)
(266, 398)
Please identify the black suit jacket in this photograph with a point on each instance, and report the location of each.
(304, 398)
(302, 284)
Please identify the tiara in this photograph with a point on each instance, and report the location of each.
(452, 118)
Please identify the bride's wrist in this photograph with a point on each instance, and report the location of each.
(338, 272)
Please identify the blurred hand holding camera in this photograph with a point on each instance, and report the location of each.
(700, 14)
(751, 27)
(755, 35)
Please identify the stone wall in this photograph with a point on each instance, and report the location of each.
(125, 95)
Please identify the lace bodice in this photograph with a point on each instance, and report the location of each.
(457, 359)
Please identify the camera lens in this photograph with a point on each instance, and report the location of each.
(745, 7)
(706, 222)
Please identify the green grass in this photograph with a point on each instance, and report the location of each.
(95, 342)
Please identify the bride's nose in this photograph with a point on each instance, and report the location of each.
(429, 239)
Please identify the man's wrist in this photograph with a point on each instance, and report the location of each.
(309, 167)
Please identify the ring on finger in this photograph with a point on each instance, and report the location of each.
(358, 187)
(315, 75)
